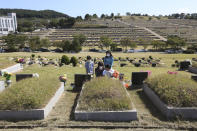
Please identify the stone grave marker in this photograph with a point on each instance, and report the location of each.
(123, 64)
(80, 79)
(139, 77)
(23, 76)
(154, 64)
(194, 77)
(184, 65)
(137, 64)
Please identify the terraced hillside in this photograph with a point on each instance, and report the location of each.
(186, 29)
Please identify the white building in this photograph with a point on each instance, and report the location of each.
(8, 24)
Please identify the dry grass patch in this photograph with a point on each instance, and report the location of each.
(104, 94)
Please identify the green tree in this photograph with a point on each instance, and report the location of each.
(105, 41)
(74, 61)
(66, 45)
(113, 46)
(81, 38)
(45, 43)
(34, 43)
(175, 42)
(65, 60)
(94, 16)
(125, 42)
(88, 17)
(102, 16)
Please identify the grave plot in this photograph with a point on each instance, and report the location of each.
(104, 99)
(174, 95)
(31, 98)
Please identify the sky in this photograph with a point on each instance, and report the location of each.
(81, 7)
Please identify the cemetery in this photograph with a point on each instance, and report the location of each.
(159, 95)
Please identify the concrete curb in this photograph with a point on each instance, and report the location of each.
(2, 86)
(34, 114)
(12, 69)
(192, 70)
(116, 116)
(170, 112)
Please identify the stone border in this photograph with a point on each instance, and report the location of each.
(34, 114)
(2, 86)
(170, 112)
(116, 116)
(192, 70)
(12, 69)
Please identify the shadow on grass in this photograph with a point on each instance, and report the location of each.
(150, 106)
(72, 113)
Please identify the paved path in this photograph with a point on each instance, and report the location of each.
(150, 31)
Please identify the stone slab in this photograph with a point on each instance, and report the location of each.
(139, 77)
(12, 69)
(2, 86)
(170, 112)
(34, 114)
(23, 76)
(192, 70)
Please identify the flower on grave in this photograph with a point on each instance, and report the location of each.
(7, 75)
(115, 74)
(172, 72)
(36, 75)
(63, 78)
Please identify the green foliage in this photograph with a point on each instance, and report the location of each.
(104, 94)
(81, 38)
(175, 90)
(14, 42)
(45, 43)
(175, 42)
(88, 17)
(105, 41)
(23, 13)
(125, 42)
(158, 44)
(35, 43)
(74, 61)
(33, 56)
(65, 60)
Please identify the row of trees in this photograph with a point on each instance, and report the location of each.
(17, 42)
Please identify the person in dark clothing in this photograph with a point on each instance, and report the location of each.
(99, 70)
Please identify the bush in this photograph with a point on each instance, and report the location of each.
(104, 94)
(74, 61)
(65, 60)
(175, 90)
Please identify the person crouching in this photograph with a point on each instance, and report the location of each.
(99, 70)
(108, 71)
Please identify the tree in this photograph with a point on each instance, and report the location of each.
(112, 15)
(102, 16)
(65, 60)
(74, 61)
(145, 46)
(76, 46)
(79, 18)
(175, 42)
(128, 14)
(34, 43)
(81, 38)
(158, 44)
(125, 42)
(66, 45)
(14, 42)
(94, 16)
(88, 17)
(113, 46)
(45, 43)
(105, 41)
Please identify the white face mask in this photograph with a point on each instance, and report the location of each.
(108, 54)
(100, 67)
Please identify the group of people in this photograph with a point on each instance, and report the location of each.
(104, 67)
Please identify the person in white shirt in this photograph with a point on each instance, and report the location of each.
(108, 71)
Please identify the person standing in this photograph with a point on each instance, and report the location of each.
(108, 59)
(89, 65)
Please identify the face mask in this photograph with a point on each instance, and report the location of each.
(108, 54)
(100, 67)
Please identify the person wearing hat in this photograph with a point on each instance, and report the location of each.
(108, 59)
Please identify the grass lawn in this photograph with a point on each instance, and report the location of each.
(5, 62)
(148, 115)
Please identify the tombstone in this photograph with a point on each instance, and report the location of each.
(23, 76)
(2, 86)
(184, 65)
(139, 77)
(154, 64)
(123, 64)
(194, 77)
(80, 79)
(137, 64)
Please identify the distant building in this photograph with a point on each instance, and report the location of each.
(8, 24)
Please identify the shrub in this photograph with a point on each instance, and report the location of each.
(104, 94)
(74, 61)
(33, 55)
(65, 60)
(175, 90)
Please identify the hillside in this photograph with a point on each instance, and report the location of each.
(24, 13)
